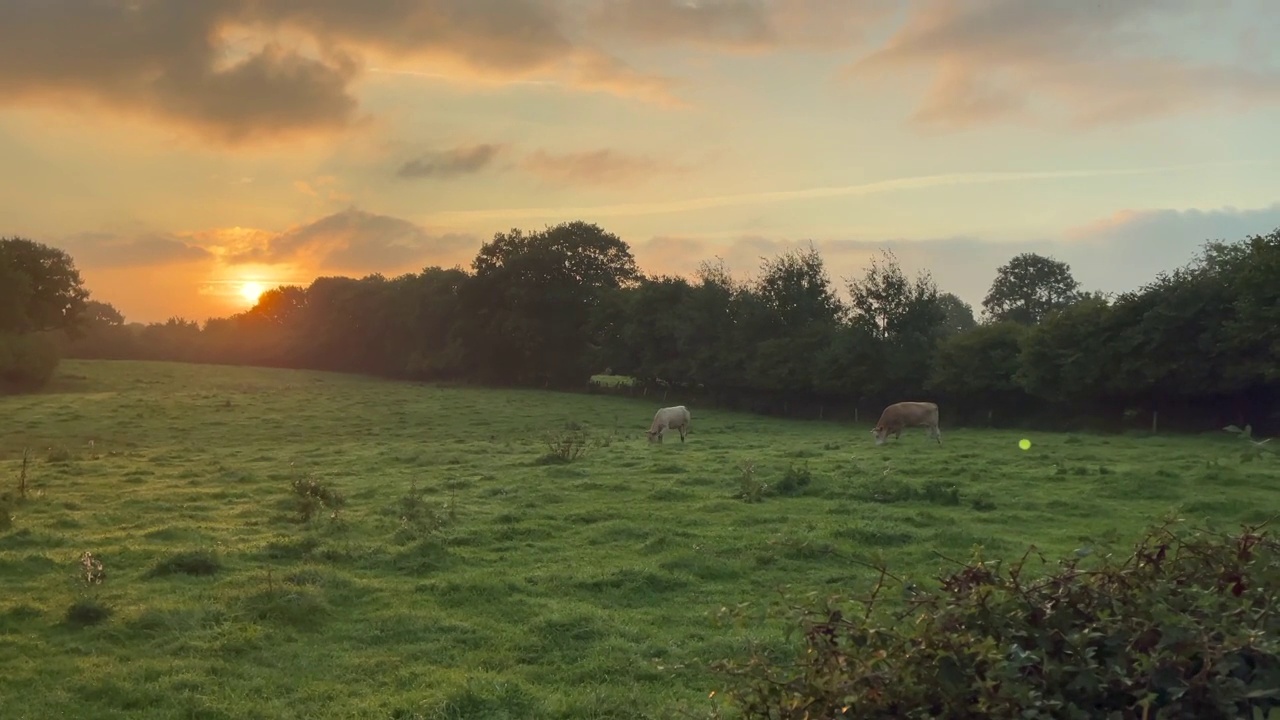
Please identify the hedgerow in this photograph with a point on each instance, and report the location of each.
(1185, 626)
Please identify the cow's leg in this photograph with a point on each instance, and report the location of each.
(937, 433)
(682, 433)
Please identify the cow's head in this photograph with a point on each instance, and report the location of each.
(881, 432)
(652, 434)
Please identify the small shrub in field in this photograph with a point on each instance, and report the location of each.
(1185, 627)
(1254, 449)
(88, 610)
(940, 492)
(91, 569)
(794, 480)
(58, 455)
(566, 445)
(191, 562)
(27, 362)
(419, 518)
(314, 495)
(750, 488)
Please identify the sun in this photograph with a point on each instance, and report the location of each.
(251, 291)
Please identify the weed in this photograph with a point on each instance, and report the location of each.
(58, 455)
(567, 445)
(750, 489)
(1254, 449)
(22, 472)
(313, 495)
(420, 519)
(91, 568)
(794, 481)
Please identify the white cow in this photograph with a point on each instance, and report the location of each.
(670, 417)
(904, 415)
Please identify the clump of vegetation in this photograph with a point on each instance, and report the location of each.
(58, 454)
(751, 489)
(314, 495)
(1254, 449)
(1184, 627)
(794, 481)
(22, 473)
(91, 569)
(419, 518)
(88, 610)
(567, 445)
(887, 489)
(190, 562)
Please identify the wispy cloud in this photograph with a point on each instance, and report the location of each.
(778, 196)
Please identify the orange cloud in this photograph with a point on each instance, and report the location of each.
(1001, 60)
(111, 250)
(351, 240)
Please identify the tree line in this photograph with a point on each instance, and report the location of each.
(1197, 348)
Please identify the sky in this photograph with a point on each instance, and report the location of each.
(178, 149)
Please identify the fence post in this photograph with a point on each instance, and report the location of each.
(1155, 416)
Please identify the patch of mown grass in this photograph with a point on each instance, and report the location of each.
(439, 546)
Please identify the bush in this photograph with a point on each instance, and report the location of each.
(27, 362)
(1185, 627)
(312, 495)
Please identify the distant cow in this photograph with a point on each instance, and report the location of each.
(904, 415)
(669, 417)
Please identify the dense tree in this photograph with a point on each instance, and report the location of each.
(976, 370)
(536, 300)
(40, 287)
(1200, 344)
(1029, 287)
(957, 315)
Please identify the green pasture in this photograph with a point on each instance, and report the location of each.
(471, 574)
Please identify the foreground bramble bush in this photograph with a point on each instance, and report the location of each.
(1185, 627)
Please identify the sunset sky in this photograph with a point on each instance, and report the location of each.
(178, 148)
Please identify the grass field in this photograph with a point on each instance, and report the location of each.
(517, 587)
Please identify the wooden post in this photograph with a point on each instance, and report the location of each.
(855, 414)
(1155, 416)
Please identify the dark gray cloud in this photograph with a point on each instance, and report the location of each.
(194, 62)
(451, 163)
(162, 58)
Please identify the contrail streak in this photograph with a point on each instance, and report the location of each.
(871, 188)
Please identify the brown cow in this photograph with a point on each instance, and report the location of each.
(904, 415)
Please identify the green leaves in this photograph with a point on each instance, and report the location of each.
(1183, 628)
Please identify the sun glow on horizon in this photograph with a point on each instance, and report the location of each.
(252, 290)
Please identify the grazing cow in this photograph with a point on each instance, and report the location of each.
(669, 417)
(904, 415)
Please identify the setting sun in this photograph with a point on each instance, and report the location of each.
(251, 291)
